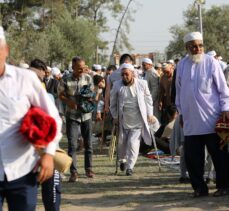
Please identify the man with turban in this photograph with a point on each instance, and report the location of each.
(202, 97)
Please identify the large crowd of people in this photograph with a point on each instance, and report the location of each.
(185, 96)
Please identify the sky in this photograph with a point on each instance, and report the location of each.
(149, 32)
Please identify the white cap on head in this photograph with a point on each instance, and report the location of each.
(171, 61)
(126, 66)
(98, 67)
(211, 53)
(24, 65)
(49, 69)
(2, 34)
(158, 65)
(192, 36)
(55, 71)
(147, 60)
(220, 58)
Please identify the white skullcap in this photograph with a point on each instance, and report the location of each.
(126, 66)
(2, 34)
(49, 69)
(211, 53)
(170, 61)
(220, 58)
(55, 71)
(147, 60)
(158, 65)
(24, 65)
(98, 67)
(192, 36)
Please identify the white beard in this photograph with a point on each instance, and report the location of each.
(197, 58)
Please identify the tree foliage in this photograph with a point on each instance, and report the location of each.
(56, 30)
(215, 31)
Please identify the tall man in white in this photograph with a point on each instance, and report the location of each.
(202, 96)
(132, 107)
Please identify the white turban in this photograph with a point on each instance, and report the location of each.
(127, 66)
(147, 60)
(192, 36)
(55, 71)
(211, 53)
(2, 34)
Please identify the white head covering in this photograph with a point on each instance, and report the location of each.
(211, 53)
(192, 36)
(2, 34)
(147, 60)
(24, 65)
(55, 71)
(158, 65)
(127, 66)
(98, 67)
(49, 69)
(171, 61)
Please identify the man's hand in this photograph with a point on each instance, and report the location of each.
(46, 164)
(151, 119)
(225, 116)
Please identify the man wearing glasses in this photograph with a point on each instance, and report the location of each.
(202, 97)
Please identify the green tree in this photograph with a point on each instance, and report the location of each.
(215, 31)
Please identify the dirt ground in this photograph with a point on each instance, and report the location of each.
(147, 189)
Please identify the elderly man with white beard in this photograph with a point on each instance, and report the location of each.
(132, 107)
(202, 97)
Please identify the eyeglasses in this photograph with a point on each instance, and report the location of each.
(196, 46)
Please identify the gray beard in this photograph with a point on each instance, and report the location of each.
(197, 58)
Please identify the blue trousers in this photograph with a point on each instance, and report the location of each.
(51, 193)
(20, 194)
(72, 135)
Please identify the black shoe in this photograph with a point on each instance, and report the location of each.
(198, 193)
(129, 172)
(184, 180)
(221, 192)
(122, 166)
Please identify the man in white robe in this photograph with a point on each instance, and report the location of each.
(131, 107)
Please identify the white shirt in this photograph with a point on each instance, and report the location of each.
(19, 90)
(131, 113)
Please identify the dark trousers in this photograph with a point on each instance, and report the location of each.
(72, 135)
(194, 147)
(20, 194)
(51, 193)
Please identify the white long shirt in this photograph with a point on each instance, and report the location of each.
(201, 94)
(19, 90)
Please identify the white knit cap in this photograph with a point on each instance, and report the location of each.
(147, 60)
(211, 53)
(55, 71)
(126, 66)
(2, 34)
(192, 36)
